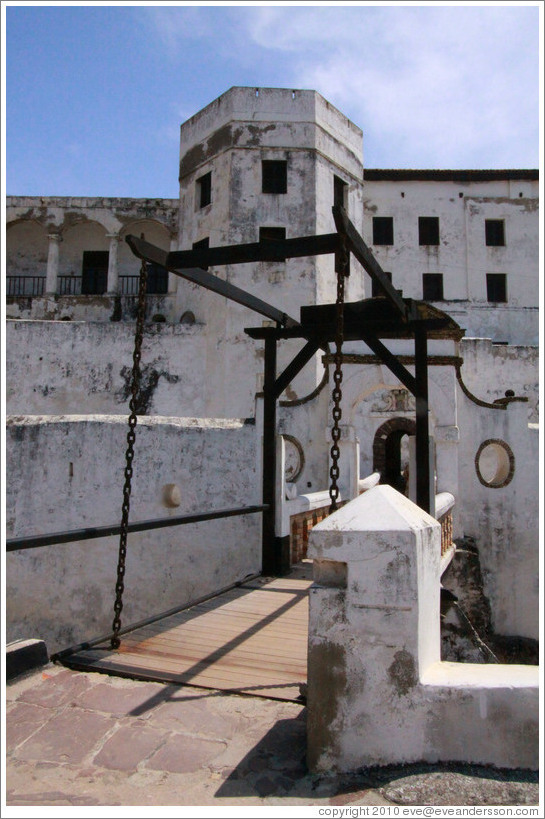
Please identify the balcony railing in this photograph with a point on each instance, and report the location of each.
(73, 285)
(444, 504)
(25, 285)
(69, 285)
(128, 285)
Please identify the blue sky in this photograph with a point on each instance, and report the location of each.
(95, 94)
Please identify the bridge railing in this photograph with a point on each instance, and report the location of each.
(444, 504)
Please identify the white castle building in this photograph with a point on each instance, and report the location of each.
(258, 163)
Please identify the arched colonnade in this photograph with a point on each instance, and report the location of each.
(82, 256)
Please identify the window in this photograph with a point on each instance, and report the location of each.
(496, 287)
(271, 234)
(204, 190)
(494, 232)
(157, 278)
(340, 192)
(428, 230)
(274, 175)
(376, 290)
(432, 287)
(94, 272)
(202, 244)
(383, 230)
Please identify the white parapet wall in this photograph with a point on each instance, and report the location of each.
(378, 692)
(67, 472)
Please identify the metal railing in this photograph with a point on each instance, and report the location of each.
(69, 285)
(25, 285)
(36, 541)
(128, 285)
(157, 284)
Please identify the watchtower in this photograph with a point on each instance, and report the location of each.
(265, 163)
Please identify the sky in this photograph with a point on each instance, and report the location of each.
(95, 94)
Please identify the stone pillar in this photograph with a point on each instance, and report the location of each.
(172, 278)
(378, 692)
(113, 273)
(52, 264)
(374, 627)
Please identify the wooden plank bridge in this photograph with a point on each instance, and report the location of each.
(249, 640)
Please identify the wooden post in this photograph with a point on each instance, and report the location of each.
(422, 429)
(272, 562)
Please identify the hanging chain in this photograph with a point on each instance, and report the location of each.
(129, 455)
(334, 472)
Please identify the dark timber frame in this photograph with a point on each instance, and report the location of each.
(369, 320)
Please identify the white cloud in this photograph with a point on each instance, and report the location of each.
(443, 83)
(438, 85)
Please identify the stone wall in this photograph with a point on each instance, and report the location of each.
(67, 473)
(498, 505)
(378, 692)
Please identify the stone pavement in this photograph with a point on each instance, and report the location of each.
(86, 739)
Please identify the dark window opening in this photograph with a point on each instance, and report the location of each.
(204, 190)
(157, 278)
(383, 230)
(432, 287)
(202, 244)
(340, 192)
(428, 230)
(494, 232)
(94, 272)
(271, 234)
(496, 287)
(274, 176)
(376, 290)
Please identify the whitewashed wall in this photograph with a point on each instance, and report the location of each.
(504, 520)
(462, 255)
(491, 369)
(67, 473)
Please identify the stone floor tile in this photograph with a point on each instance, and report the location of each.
(58, 690)
(202, 717)
(129, 745)
(121, 701)
(22, 721)
(67, 737)
(183, 754)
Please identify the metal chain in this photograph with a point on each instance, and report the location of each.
(337, 395)
(129, 455)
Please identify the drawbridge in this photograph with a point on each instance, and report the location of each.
(252, 637)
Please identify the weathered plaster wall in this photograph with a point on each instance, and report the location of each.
(67, 472)
(491, 369)
(462, 255)
(504, 519)
(74, 368)
(26, 249)
(229, 139)
(377, 691)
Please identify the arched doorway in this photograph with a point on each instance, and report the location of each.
(390, 452)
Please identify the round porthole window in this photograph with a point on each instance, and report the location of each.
(495, 463)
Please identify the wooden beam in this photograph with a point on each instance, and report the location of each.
(364, 256)
(393, 363)
(151, 253)
(423, 498)
(268, 250)
(295, 366)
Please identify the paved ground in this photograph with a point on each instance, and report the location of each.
(86, 739)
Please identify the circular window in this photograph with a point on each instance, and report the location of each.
(295, 458)
(495, 463)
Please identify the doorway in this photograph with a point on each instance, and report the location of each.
(391, 452)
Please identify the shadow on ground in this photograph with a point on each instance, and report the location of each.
(276, 766)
